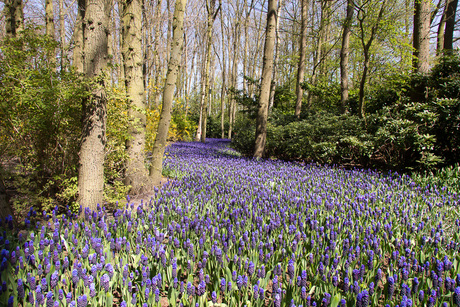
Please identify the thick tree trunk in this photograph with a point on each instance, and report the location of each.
(344, 53)
(301, 66)
(136, 173)
(78, 55)
(49, 28)
(421, 36)
(267, 71)
(168, 93)
(441, 30)
(91, 171)
(14, 17)
(451, 12)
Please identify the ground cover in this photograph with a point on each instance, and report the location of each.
(238, 231)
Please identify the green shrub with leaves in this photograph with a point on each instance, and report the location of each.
(41, 116)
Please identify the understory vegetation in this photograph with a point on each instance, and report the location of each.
(412, 123)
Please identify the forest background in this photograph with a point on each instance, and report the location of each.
(86, 87)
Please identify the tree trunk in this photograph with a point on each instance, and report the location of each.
(421, 36)
(366, 48)
(49, 27)
(267, 71)
(14, 17)
(303, 50)
(275, 59)
(168, 93)
(224, 72)
(91, 171)
(451, 12)
(78, 55)
(344, 53)
(62, 45)
(232, 108)
(136, 173)
(210, 5)
(5, 206)
(441, 30)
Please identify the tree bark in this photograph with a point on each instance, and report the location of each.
(62, 45)
(224, 72)
(267, 71)
(212, 13)
(366, 48)
(303, 50)
(78, 55)
(451, 11)
(232, 108)
(91, 171)
(421, 36)
(344, 54)
(49, 27)
(275, 58)
(168, 93)
(136, 173)
(14, 17)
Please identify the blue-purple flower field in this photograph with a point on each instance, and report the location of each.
(232, 231)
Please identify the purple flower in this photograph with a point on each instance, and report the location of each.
(82, 301)
(105, 282)
(21, 293)
(456, 296)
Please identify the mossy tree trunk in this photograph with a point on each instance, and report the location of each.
(95, 50)
(136, 173)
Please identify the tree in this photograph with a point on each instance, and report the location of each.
(136, 173)
(303, 50)
(78, 37)
(168, 93)
(49, 27)
(14, 16)
(91, 171)
(212, 14)
(344, 54)
(421, 36)
(450, 13)
(267, 71)
(362, 15)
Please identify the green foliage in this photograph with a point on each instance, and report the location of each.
(41, 114)
(321, 137)
(447, 177)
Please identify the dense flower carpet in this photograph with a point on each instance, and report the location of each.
(234, 231)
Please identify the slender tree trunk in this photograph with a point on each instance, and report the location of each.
(366, 48)
(224, 72)
(441, 30)
(275, 58)
(62, 44)
(78, 55)
(421, 36)
(155, 96)
(136, 173)
(91, 171)
(232, 109)
(14, 17)
(110, 44)
(267, 71)
(210, 5)
(451, 12)
(303, 50)
(344, 54)
(49, 26)
(168, 93)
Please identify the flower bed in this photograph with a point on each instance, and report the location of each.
(237, 231)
